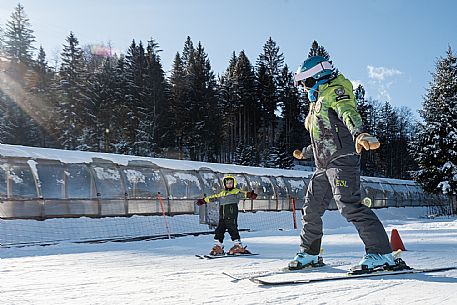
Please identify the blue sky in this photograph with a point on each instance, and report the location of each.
(389, 46)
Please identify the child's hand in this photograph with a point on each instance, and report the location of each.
(298, 154)
(200, 202)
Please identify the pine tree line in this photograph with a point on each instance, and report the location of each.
(94, 100)
(394, 129)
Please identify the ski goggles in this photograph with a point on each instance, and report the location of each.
(308, 83)
(303, 76)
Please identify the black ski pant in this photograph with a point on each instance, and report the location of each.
(228, 220)
(340, 181)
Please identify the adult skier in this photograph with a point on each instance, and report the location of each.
(337, 139)
(228, 215)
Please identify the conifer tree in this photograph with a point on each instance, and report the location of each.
(362, 106)
(317, 50)
(178, 104)
(18, 124)
(232, 146)
(136, 67)
(118, 136)
(203, 132)
(245, 155)
(19, 37)
(387, 135)
(71, 113)
(266, 95)
(404, 161)
(39, 85)
(101, 89)
(268, 71)
(239, 104)
(194, 104)
(435, 145)
(277, 157)
(7, 119)
(157, 101)
(249, 107)
(187, 51)
(284, 156)
(373, 166)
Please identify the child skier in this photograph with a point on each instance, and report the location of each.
(337, 139)
(228, 215)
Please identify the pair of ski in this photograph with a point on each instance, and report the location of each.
(261, 277)
(225, 255)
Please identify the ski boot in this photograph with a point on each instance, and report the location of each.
(304, 260)
(217, 250)
(238, 249)
(373, 262)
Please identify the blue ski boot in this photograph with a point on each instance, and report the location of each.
(372, 262)
(303, 260)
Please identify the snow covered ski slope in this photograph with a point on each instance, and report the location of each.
(167, 271)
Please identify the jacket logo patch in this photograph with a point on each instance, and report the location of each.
(339, 91)
(342, 97)
(341, 183)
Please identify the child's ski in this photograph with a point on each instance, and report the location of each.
(208, 256)
(264, 281)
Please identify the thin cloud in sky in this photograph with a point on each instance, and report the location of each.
(380, 73)
(379, 80)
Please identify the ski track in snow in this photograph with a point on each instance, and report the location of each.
(166, 271)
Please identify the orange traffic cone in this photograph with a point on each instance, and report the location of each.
(395, 241)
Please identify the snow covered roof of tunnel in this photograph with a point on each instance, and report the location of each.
(71, 156)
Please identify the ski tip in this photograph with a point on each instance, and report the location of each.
(234, 278)
(439, 269)
(261, 282)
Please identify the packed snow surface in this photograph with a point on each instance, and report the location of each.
(167, 272)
